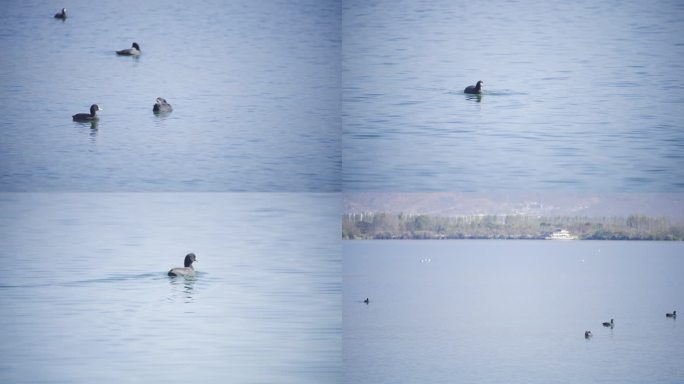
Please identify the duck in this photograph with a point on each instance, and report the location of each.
(61, 14)
(607, 324)
(88, 116)
(673, 314)
(366, 301)
(188, 270)
(587, 334)
(161, 106)
(474, 89)
(134, 50)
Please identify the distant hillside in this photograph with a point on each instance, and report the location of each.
(668, 205)
(386, 225)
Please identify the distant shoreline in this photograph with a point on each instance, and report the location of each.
(497, 238)
(392, 226)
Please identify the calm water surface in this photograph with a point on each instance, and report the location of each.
(578, 95)
(254, 87)
(512, 312)
(85, 297)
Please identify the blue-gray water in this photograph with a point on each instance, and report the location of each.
(85, 297)
(512, 312)
(578, 95)
(323, 96)
(254, 87)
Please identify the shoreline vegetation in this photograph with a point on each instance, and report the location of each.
(383, 225)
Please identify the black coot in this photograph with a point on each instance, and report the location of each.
(474, 89)
(61, 14)
(187, 270)
(161, 106)
(134, 50)
(87, 116)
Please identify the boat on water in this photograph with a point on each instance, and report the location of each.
(561, 235)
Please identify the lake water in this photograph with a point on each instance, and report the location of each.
(578, 95)
(85, 297)
(312, 97)
(512, 312)
(254, 87)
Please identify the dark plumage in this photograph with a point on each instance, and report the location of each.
(474, 89)
(673, 314)
(161, 106)
(366, 301)
(607, 324)
(87, 116)
(587, 334)
(134, 50)
(61, 14)
(188, 270)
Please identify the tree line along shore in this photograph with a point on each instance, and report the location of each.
(411, 226)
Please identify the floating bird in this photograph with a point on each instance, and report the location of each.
(161, 106)
(188, 270)
(673, 314)
(61, 14)
(134, 50)
(474, 89)
(587, 334)
(607, 324)
(88, 116)
(366, 301)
